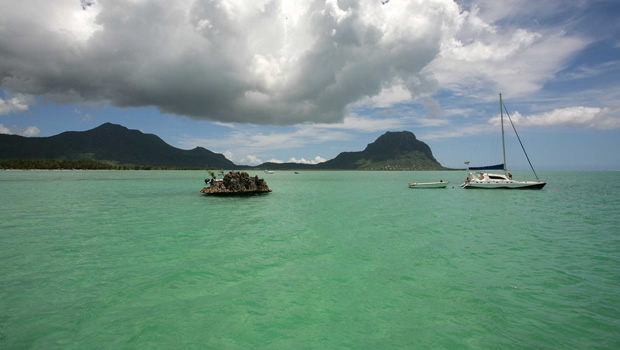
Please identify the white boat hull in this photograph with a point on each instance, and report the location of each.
(499, 181)
(428, 184)
(521, 185)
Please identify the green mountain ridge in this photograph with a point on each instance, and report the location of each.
(391, 151)
(117, 144)
(110, 143)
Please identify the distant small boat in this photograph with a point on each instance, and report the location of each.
(440, 184)
(268, 172)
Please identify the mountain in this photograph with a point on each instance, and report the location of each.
(391, 151)
(110, 143)
(117, 144)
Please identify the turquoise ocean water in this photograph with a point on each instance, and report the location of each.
(329, 260)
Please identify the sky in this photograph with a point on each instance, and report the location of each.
(302, 81)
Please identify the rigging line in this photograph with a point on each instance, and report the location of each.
(521, 143)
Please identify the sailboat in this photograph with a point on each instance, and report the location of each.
(498, 180)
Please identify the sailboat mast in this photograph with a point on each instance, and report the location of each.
(501, 113)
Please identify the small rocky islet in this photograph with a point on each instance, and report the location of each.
(235, 183)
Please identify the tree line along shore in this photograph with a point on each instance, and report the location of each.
(82, 164)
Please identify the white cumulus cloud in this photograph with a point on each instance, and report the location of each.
(592, 117)
(251, 160)
(266, 61)
(316, 160)
(16, 130)
(263, 62)
(15, 104)
(246, 160)
(517, 63)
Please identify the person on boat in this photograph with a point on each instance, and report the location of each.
(510, 176)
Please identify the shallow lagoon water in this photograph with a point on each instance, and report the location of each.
(329, 260)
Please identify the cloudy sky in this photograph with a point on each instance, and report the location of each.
(286, 80)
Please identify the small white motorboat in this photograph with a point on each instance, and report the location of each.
(440, 184)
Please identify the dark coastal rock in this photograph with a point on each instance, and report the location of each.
(236, 183)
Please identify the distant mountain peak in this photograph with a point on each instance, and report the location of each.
(392, 150)
(395, 139)
(112, 143)
(404, 133)
(109, 125)
(400, 142)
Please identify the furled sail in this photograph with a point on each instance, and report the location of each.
(489, 167)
